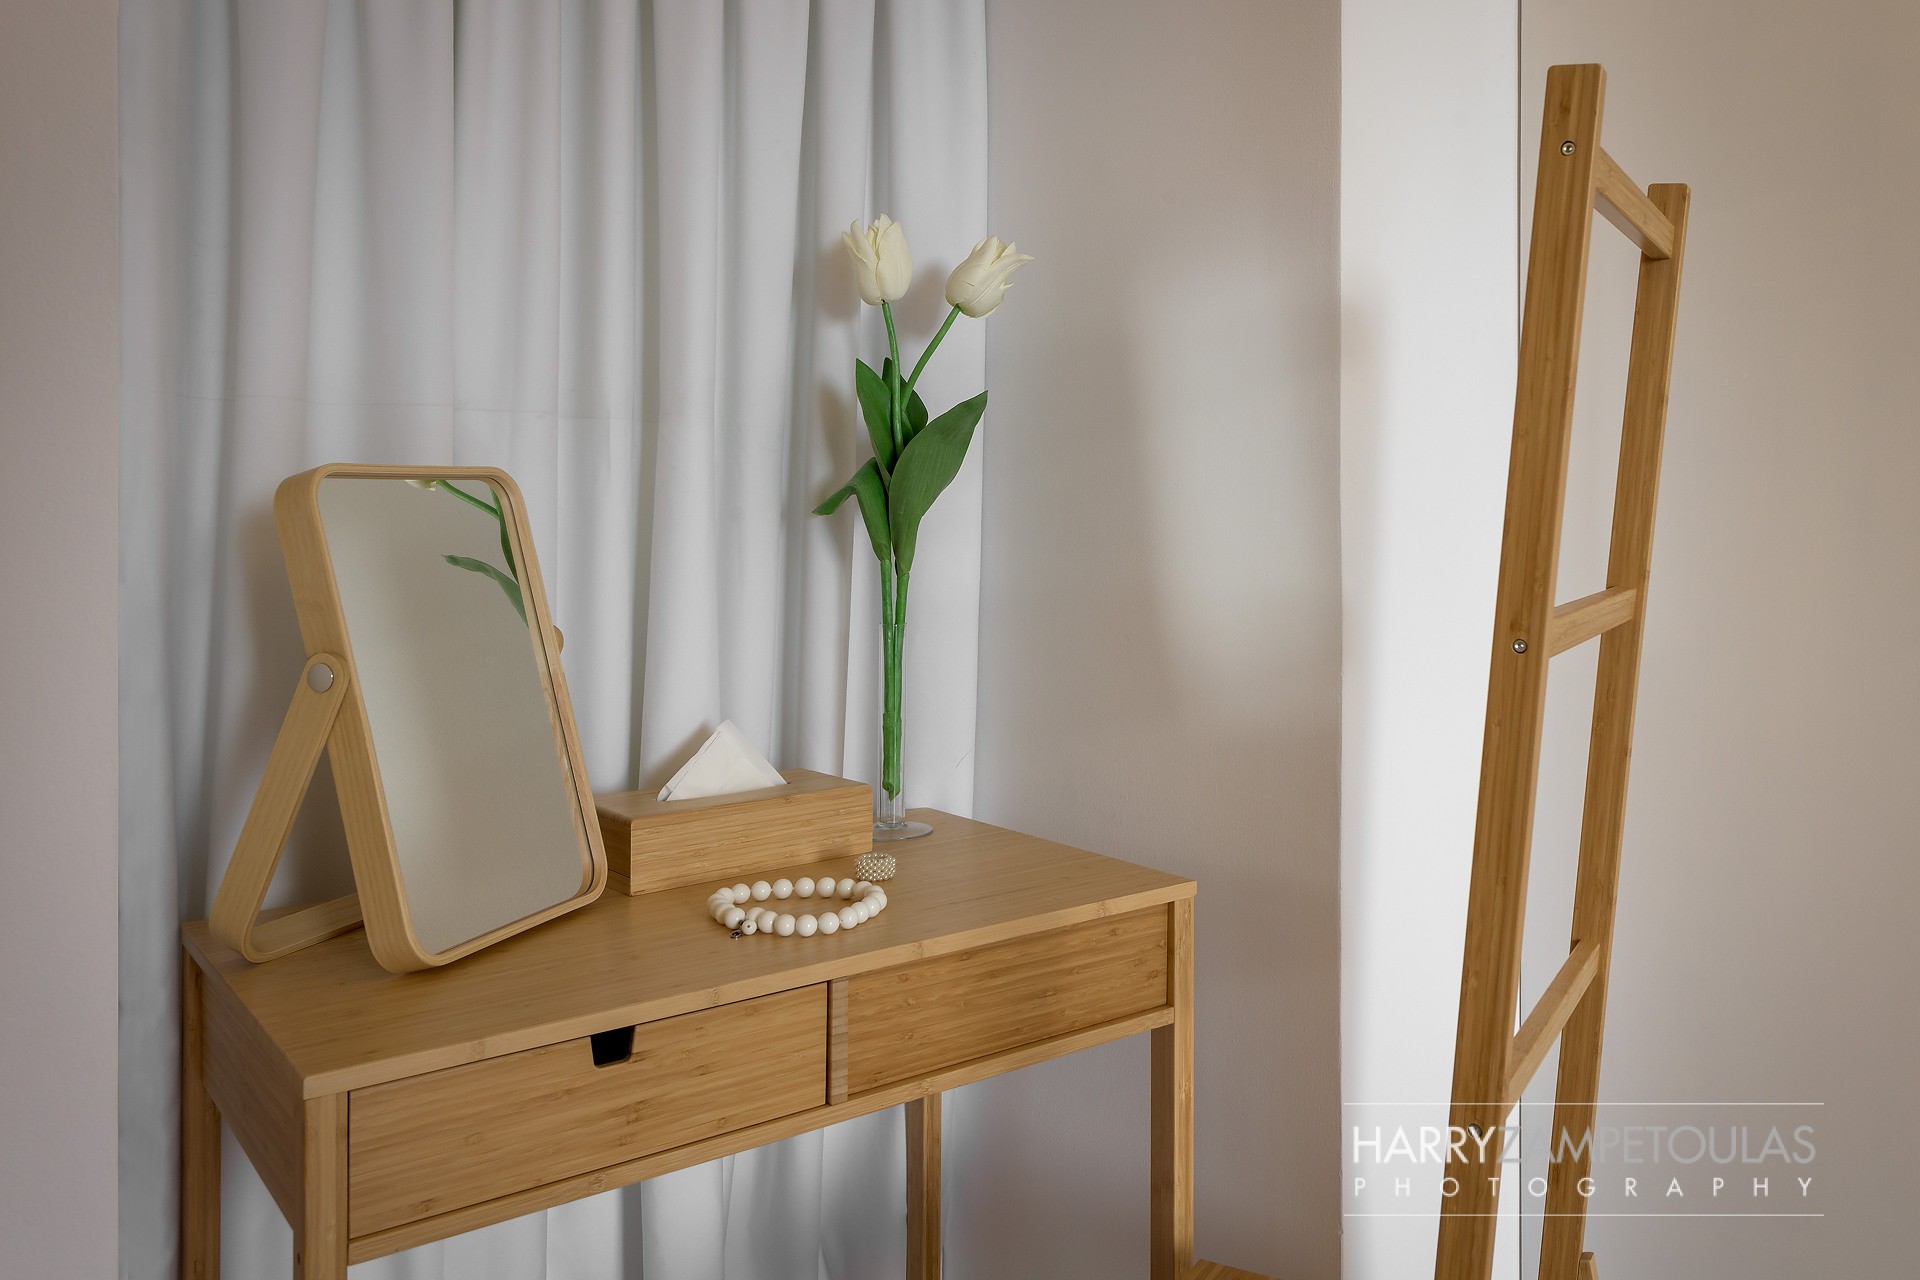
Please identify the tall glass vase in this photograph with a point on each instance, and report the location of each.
(889, 798)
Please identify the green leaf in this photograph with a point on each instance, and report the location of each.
(928, 466)
(916, 416)
(875, 407)
(867, 486)
(507, 584)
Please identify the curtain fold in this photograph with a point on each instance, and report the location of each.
(596, 244)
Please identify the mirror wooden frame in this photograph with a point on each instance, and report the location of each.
(328, 713)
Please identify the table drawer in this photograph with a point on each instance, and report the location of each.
(457, 1137)
(939, 1013)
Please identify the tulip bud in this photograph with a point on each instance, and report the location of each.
(977, 285)
(882, 267)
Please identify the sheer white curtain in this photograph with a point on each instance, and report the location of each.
(597, 244)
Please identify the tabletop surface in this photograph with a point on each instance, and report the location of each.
(342, 1022)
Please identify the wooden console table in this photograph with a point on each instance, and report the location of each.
(635, 1037)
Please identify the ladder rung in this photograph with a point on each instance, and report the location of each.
(1220, 1271)
(1549, 1017)
(1579, 621)
(1621, 202)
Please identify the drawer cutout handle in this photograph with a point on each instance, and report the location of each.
(610, 1047)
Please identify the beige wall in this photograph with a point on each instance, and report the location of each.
(59, 438)
(1770, 879)
(1160, 615)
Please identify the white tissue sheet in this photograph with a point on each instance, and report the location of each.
(724, 764)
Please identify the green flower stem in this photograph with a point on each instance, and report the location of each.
(893, 636)
(928, 353)
(469, 499)
(890, 716)
(893, 382)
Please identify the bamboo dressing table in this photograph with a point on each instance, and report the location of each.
(635, 1037)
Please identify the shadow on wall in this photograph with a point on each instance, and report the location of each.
(1159, 682)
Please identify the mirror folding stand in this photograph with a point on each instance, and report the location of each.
(329, 712)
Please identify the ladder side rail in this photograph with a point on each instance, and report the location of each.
(1616, 690)
(1516, 696)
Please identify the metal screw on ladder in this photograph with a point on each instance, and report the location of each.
(1519, 646)
(1567, 148)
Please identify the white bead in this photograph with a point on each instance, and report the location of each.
(806, 926)
(766, 919)
(732, 917)
(718, 909)
(846, 887)
(877, 899)
(829, 922)
(804, 886)
(863, 888)
(783, 925)
(861, 912)
(849, 917)
(762, 891)
(783, 888)
(741, 892)
(748, 926)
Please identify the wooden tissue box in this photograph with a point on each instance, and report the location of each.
(664, 844)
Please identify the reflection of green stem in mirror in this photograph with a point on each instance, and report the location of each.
(508, 581)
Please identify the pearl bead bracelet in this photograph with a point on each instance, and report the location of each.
(736, 907)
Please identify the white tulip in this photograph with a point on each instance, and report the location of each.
(882, 267)
(977, 285)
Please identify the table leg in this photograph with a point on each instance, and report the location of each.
(320, 1237)
(1172, 1180)
(199, 1139)
(923, 1188)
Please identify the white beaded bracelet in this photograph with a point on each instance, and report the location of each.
(734, 907)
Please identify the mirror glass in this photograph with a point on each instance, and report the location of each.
(486, 820)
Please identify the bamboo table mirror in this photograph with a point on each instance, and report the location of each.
(433, 683)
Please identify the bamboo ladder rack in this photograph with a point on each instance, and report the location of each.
(1492, 1064)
